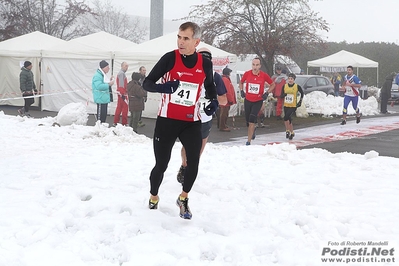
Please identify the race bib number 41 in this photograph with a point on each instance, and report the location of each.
(186, 94)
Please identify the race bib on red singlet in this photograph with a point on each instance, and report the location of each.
(253, 88)
(186, 94)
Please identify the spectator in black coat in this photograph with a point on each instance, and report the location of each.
(386, 92)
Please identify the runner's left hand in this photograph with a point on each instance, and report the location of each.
(211, 107)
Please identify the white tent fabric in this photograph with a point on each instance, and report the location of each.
(67, 72)
(28, 45)
(148, 53)
(68, 80)
(343, 59)
(76, 62)
(13, 53)
(67, 68)
(104, 40)
(161, 45)
(76, 50)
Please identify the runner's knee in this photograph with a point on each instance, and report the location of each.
(252, 118)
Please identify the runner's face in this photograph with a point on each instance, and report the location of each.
(349, 71)
(186, 43)
(255, 65)
(291, 80)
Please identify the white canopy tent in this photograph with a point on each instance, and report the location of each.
(108, 42)
(343, 59)
(67, 68)
(105, 41)
(76, 62)
(148, 53)
(67, 72)
(13, 53)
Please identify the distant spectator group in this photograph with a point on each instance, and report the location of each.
(130, 95)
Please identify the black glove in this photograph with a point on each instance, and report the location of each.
(264, 96)
(283, 95)
(242, 93)
(123, 97)
(211, 107)
(299, 103)
(168, 87)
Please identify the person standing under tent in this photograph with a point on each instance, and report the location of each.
(336, 81)
(254, 94)
(136, 100)
(386, 92)
(27, 87)
(221, 92)
(352, 84)
(122, 106)
(183, 72)
(142, 72)
(280, 79)
(231, 99)
(101, 90)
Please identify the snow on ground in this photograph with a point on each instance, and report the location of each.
(78, 195)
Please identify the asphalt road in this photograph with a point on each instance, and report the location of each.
(385, 143)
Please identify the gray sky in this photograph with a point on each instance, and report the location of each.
(353, 21)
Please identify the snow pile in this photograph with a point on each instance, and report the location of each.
(318, 102)
(73, 113)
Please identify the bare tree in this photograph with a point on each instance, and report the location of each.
(112, 20)
(264, 27)
(24, 16)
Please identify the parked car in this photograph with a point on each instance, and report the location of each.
(394, 93)
(311, 83)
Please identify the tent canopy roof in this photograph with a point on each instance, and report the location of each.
(105, 41)
(76, 50)
(343, 59)
(29, 45)
(166, 43)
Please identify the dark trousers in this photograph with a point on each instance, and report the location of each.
(384, 102)
(134, 120)
(288, 112)
(102, 112)
(28, 103)
(165, 134)
(224, 114)
(252, 110)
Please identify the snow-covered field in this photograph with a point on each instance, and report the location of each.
(78, 195)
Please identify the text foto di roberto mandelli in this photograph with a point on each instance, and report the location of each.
(358, 243)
